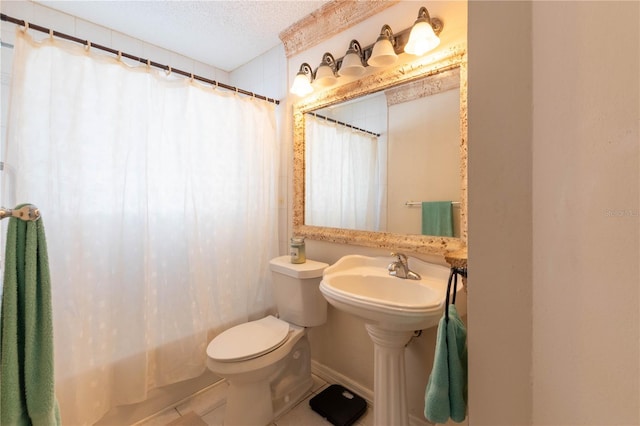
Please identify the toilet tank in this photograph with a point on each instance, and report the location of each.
(296, 287)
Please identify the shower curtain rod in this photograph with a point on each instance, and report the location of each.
(322, 117)
(133, 57)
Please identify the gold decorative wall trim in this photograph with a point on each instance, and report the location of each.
(464, 143)
(438, 83)
(329, 20)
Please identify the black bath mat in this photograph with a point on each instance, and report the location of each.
(338, 405)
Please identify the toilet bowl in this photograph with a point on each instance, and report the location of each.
(267, 362)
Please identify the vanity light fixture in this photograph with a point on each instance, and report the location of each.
(326, 72)
(424, 34)
(417, 40)
(302, 82)
(383, 53)
(352, 63)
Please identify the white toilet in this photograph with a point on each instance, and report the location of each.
(267, 362)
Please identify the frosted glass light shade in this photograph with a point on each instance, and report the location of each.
(422, 39)
(351, 65)
(301, 85)
(325, 76)
(382, 54)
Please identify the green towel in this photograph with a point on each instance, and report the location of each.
(446, 393)
(436, 405)
(27, 395)
(457, 350)
(437, 218)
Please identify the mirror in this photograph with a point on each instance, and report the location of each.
(399, 167)
(368, 160)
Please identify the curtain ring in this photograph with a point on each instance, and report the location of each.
(148, 63)
(88, 46)
(119, 56)
(51, 34)
(168, 70)
(25, 28)
(191, 78)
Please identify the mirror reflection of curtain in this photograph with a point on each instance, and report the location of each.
(342, 175)
(160, 205)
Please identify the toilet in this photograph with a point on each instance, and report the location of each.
(267, 362)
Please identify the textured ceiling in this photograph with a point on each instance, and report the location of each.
(225, 34)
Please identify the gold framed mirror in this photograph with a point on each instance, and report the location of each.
(429, 69)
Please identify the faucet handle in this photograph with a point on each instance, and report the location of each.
(401, 257)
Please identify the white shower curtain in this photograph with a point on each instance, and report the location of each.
(342, 176)
(159, 200)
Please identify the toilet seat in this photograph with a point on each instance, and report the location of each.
(249, 340)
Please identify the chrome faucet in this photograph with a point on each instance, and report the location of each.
(400, 268)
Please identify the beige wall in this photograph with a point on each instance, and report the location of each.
(500, 214)
(424, 158)
(554, 213)
(586, 213)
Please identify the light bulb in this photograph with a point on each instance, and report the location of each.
(422, 39)
(301, 85)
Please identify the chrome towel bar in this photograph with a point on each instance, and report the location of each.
(419, 203)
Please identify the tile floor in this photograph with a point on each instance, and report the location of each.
(209, 405)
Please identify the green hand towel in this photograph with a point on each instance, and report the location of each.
(437, 218)
(436, 399)
(446, 393)
(457, 352)
(27, 395)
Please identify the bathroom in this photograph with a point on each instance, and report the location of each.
(542, 247)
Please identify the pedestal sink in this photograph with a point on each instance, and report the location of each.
(392, 308)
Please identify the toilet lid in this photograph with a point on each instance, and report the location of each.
(248, 340)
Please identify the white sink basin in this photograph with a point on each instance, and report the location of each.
(362, 286)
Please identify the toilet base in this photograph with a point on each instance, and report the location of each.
(252, 402)
(263, 409)
(260, 412)
(293, 394)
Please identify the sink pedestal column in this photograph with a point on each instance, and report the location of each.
(389, 386)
